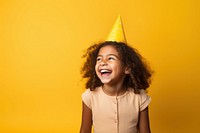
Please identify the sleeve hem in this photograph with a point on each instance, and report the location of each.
(145, 104)
(86, 98)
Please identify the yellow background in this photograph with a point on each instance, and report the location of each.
(41, 43)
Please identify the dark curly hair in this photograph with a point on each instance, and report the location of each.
(140, 73)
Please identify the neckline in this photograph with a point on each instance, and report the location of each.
(113, 97)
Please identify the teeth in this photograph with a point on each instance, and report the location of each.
(103, 71)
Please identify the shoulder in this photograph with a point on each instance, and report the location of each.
(89, 92)
(139, 95)
(142, 95)
(142, 98)
(88, 96)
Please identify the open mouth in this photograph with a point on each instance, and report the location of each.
(105, 72)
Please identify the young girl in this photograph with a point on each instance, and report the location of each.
(116, 101)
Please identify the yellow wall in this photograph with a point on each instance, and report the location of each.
(41, 43)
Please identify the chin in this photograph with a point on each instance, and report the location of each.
(105, 81)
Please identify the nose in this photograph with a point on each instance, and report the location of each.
(103, 63)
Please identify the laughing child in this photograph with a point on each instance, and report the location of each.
(117, 77)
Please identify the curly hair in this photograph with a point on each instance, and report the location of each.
(140, 73)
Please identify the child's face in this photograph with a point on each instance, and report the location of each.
(108, 67)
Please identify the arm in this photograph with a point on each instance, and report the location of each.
(144, 121)
(86, 124)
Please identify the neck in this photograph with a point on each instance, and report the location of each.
(115, 90)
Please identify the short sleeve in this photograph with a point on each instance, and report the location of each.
(86, 98)
(144, 100)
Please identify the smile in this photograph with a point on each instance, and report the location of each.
(105, 72)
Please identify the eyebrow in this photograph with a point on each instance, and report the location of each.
(108, 55)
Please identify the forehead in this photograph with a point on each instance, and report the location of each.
(106, 50)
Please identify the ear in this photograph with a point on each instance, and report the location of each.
(127, 70)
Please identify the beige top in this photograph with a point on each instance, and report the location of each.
(111, 114)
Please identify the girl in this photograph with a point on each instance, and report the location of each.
(116, 101)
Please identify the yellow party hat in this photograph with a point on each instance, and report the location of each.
(117, 33)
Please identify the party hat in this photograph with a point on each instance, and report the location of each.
(117, 33)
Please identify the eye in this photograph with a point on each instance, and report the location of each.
(98, 59)
(111, 58)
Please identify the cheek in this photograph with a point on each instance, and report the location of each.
(115, 66)
(118, 68)
(96, 68)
